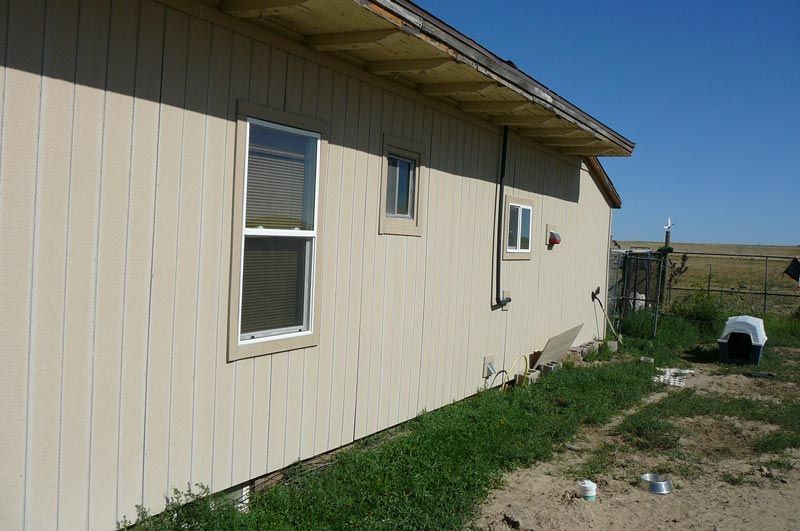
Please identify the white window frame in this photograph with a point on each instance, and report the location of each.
(511, 253)
(412, 187)
(274, 341)
(310, 235)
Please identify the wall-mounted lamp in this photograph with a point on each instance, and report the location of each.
(553, 236)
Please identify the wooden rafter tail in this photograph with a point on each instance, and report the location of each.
(538, 132)
(355, 40)
(406, 66)
(525, 120)
(256, 8)
(494, 106)
(589, 151)
(454, 89)
(571, 142)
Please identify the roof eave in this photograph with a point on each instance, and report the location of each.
(603, 181)
(415, 19)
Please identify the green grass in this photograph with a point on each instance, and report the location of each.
(600, 460)
(774, 443)
(603, 353)
(438, 470)
(737, 479)
(782, 330)
(647, 431)
(778, 464)
(651, 428)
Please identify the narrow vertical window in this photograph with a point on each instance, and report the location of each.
(518, 230)
(401, 180)
(280, 232)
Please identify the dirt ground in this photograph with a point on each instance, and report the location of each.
(705, 496)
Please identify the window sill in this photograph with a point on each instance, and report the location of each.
(399, 227)
(253, 348)
(521, 255)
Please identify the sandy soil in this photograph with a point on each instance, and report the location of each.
(545, 496)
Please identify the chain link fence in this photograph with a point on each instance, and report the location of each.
(744, 284)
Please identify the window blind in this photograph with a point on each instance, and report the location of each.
(274, 284)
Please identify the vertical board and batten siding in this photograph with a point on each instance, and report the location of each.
(118, 137)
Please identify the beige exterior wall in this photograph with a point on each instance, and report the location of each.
(116, 167)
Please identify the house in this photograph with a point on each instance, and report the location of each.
(236, 234)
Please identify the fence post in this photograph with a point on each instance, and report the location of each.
(661, 263)
(709, 280)
(766, 273)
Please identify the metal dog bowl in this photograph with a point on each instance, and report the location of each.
(656, 483)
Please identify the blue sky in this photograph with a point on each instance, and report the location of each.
(708, 90)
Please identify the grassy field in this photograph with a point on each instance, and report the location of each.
(737, 282)
(725, 248)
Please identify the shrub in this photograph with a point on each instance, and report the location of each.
(672, 331)
(192, 509)
(702, 311)
(638, 324)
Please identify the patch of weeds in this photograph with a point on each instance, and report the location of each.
(672, 331)
(647, 431)
(685, 466)
(782, 330)
(637, 324)
(737, 479)
(702, 311)
(664, 356)
(601, 459)
(778, 463)
(603, 353)
(675, 331)
(193, 509)
(772, 361)
(650, 428)
(778, 441)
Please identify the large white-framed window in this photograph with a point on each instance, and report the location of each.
(279, 239)
(519, 227)
(274, 268)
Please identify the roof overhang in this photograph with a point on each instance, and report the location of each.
(399, 40)
(603, 181)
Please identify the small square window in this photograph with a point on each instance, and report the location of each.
(518, 229)
(402, 187)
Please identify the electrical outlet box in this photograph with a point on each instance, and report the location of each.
(489, 368)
